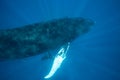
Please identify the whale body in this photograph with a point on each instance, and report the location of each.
(34, 39)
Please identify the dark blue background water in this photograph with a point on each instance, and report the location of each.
(94, 56)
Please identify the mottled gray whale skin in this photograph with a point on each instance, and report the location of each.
(41, 37)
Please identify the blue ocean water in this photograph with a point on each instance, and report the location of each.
(94, 56)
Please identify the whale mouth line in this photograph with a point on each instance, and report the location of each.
(59, 58)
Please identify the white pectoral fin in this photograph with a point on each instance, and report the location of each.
(61, 55)
(56, 64)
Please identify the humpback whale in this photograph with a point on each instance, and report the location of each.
(34, 39)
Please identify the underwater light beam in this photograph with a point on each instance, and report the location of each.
(61, 55)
